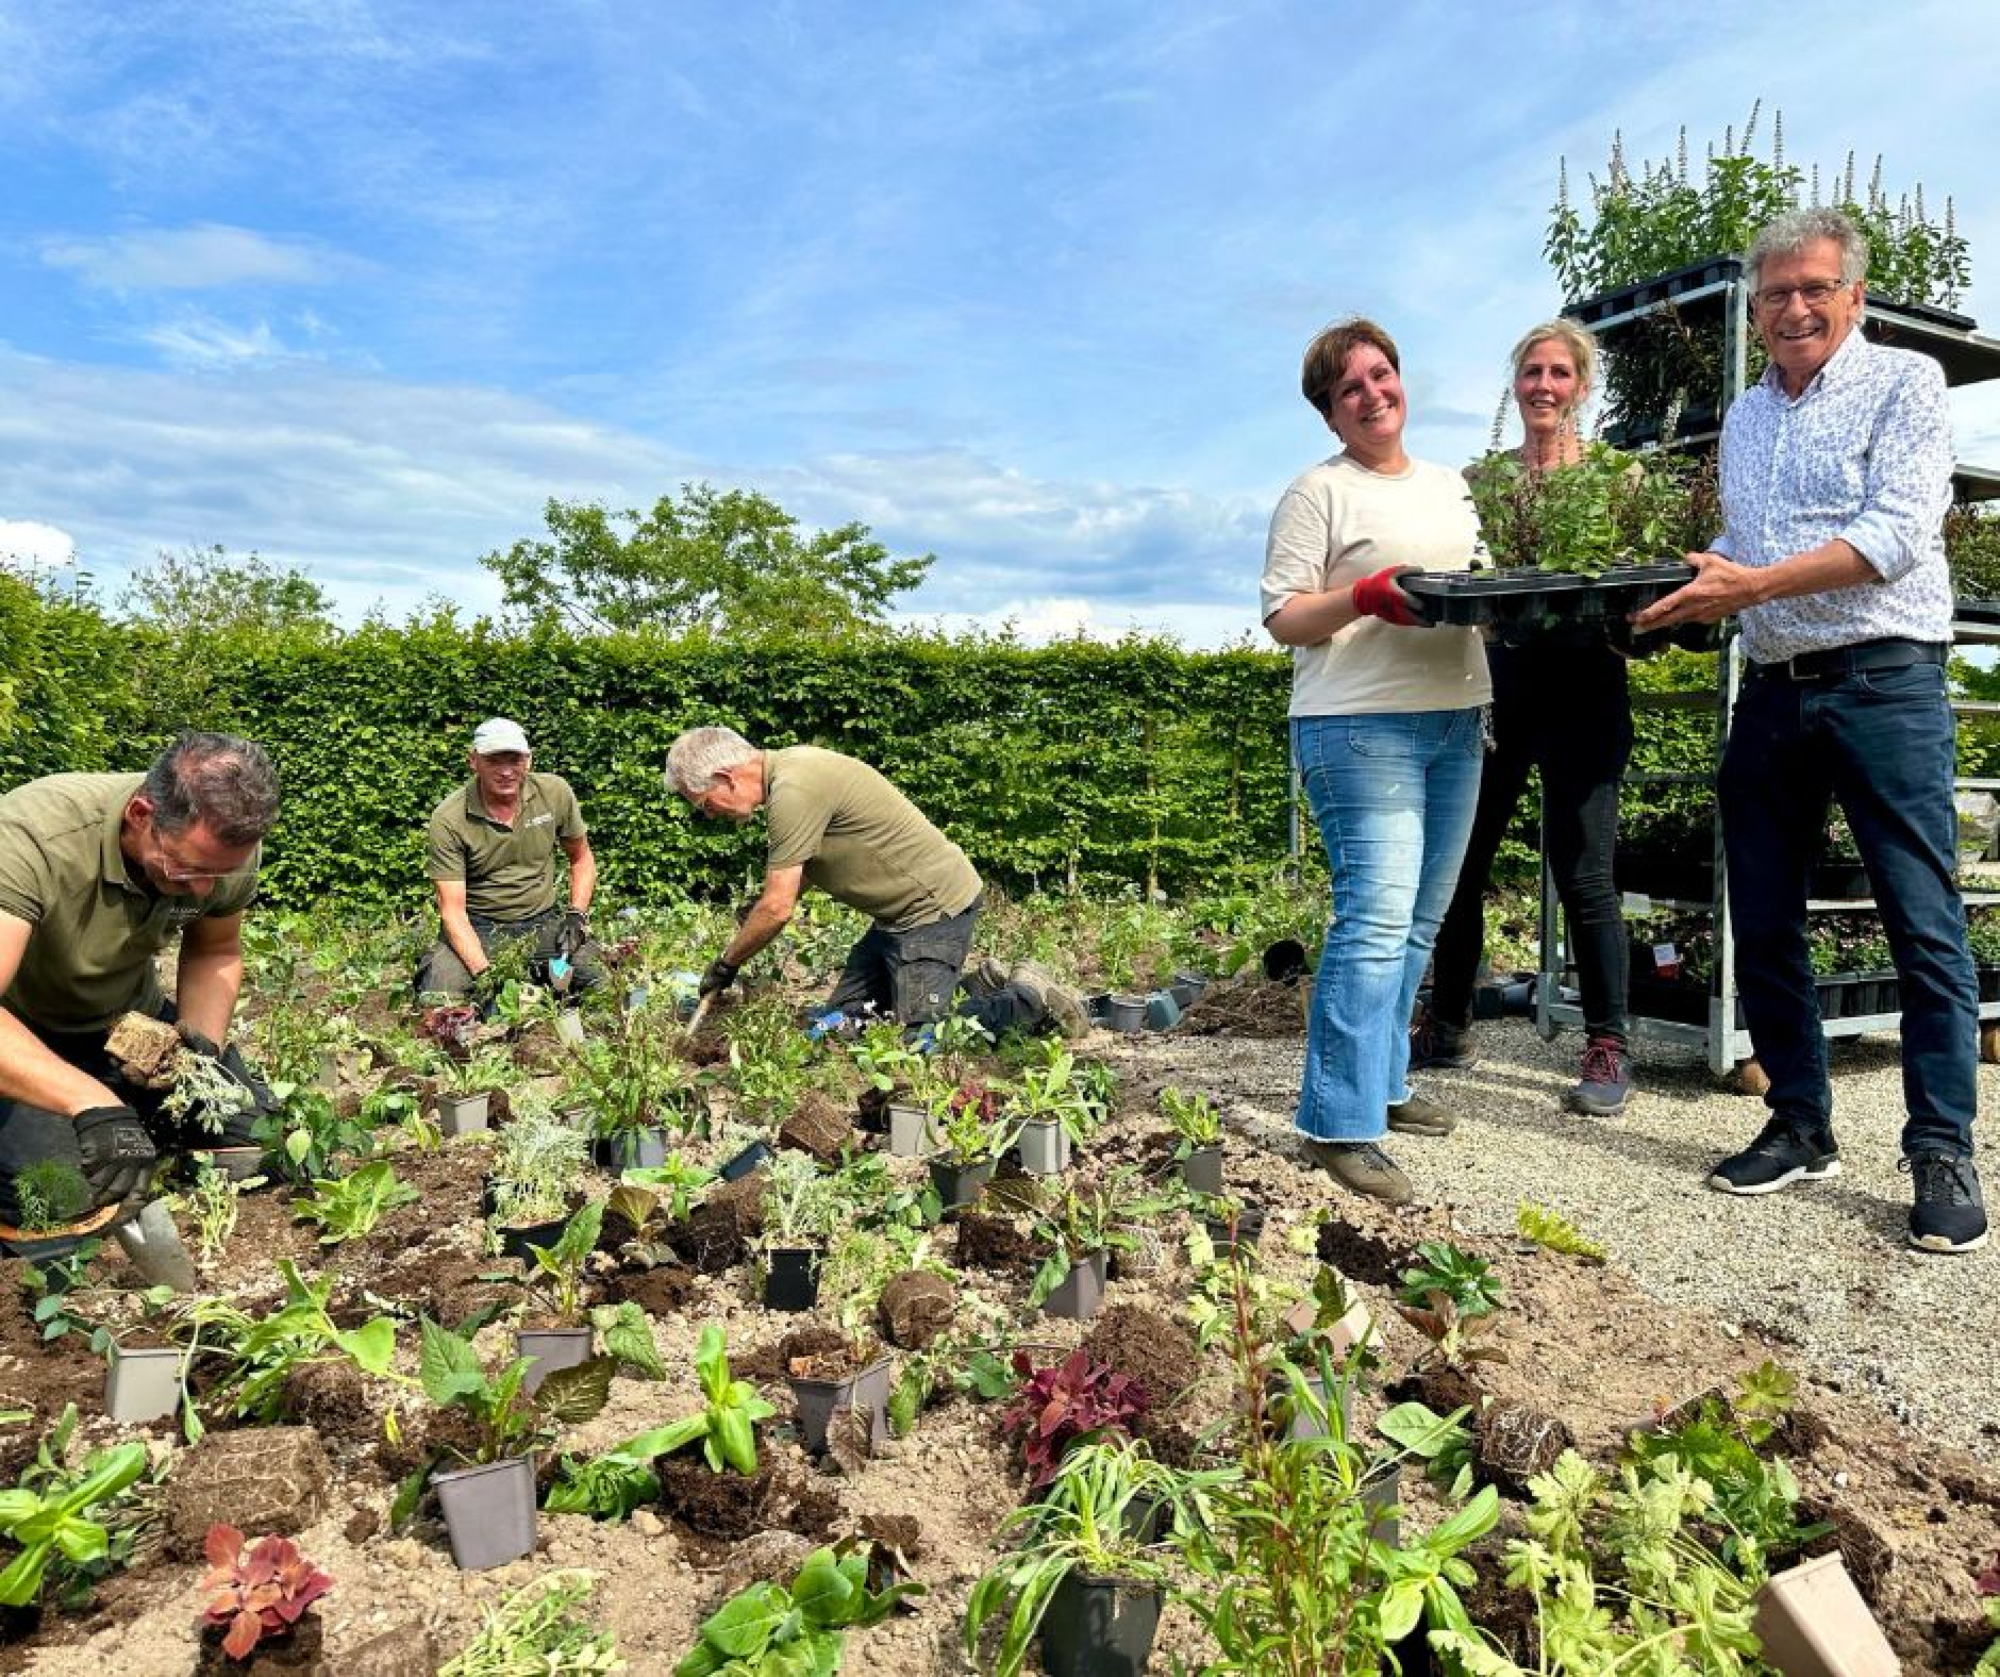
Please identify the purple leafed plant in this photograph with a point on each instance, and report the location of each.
(1070, 1400)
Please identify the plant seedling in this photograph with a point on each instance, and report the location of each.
(261, 1592)
(541, 1627)
(348, 1207)
(1554, 1231)
(1195, 1119)
(772, 1630)
(47, 1513)
(1469, 1282)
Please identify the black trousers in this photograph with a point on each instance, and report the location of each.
(1567, 711)
(912, 976)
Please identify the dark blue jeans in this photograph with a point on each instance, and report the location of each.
(1880, 742)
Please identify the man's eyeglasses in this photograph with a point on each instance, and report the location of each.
(1816, 293)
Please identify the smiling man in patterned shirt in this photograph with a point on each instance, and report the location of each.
(1836, 473)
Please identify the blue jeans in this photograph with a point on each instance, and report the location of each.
(1881, 743)
(1393, 796)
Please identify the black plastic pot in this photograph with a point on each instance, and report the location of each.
(1187, 988)
(1249, 1230)
(548, 1349)
(791, 1279)
(1285, 961)
(1661, 288)
(521, 1240)
(1077, 1296)
(1518, 599)
(642, 1149)
(489, 1512)
(757, 1153)
(818, 1399)
(1201, 1170)
(1099, 1627)
(959, 1185)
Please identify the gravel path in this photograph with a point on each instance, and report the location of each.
(1821, 1267)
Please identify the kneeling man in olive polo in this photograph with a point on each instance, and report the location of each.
(98, 874)
(493, 847)
(837, 824)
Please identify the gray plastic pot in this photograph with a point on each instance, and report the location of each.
(1077, 1296)
(143, 1384)
(959, 1185)
(462, 1114)
(569, 1028)
(910, 1133)
(489, 1512)
(818, 1399)
(1044, 1146)
(1813, 1623)
(1126, 1013)
(644, 1149)
(548, 1349)
(1201, 1170)
(1187, 988)
(1163, 1013)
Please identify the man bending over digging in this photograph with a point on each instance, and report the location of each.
(836, 824)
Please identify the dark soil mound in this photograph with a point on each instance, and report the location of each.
(995, 1243)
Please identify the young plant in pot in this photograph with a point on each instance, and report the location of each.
(489, 1502)
(1081, 1573)
(257, 1595)
(855, 1375)
(889, 1066)
(1197, 1138)
(612, 1484)
(538, 1166)
(800, 1206)
(971, 1137)
(639, 1095)
(1083, 1227)
(1049, 1108)
(464, 1089)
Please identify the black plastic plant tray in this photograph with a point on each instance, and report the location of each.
(1662, 288)
(1521, 598)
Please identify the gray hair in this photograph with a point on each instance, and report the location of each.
(695, 757)
(1792, 232)
(224, 783)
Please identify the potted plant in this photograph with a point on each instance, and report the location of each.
(463, 1091)
(799, 1211)
(538, 1165)
(636, 1093)
(558, 1336)
(971, 1136)
(1062, 1405)
(257, 1595)
(1197, 1138)
(1234, 1227)
(1048, 1105)
(1081, 1574)
(856, 1377)
(489, 1503)
(1083, 1227)
(888, 1064)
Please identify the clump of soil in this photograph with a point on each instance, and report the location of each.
(299, 1651)
(1508, 1614)
(270, 1479)
(663, 1292)
(332, 1399)
(1440, 1387)
(816, 1354)
(817, 1127)
(1868, 1556)
(718, 1232)
(916, 1307)
(1253, 1010)
(1360, 1256)
(1153, 1349)
(995, 1243)
(146, 1051)
(711, 1504)
(1516, 1442)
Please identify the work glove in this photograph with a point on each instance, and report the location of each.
(720, 976)
(574, 935)
(117, 1153)
(1381, 596)
(231, 1060)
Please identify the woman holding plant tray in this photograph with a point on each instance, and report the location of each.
(1560, 704)
(1386, 734)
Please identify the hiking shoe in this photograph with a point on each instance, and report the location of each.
(1436, 1046)
(1418, 1116)
(1606, 1084)
(984, 977)
(1949, 1215)
(1786, 1150)
(1362, 1167)
(1064, 1007)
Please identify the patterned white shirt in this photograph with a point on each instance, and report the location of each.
(1864, 455)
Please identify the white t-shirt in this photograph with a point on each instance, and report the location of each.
(1339, 522)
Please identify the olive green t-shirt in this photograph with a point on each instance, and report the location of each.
(861, 841)
(97, 925)
(509, 871)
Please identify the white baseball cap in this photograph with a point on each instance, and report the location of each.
(499, 735)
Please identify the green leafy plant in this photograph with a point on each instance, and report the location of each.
(47, 1515)
(348, 1207)
(52, 1194)
(1607, 509)
(60, 1286)
(210, 1204)
(537, 1631)
(1467, 1281)
(507, 1420)
(1049, 1089)
(1196, 1120)
(1555, 1232)
(307, 1136)
(538, 1165)
(555, 1277)
(774, 1630)
(1105, 1217)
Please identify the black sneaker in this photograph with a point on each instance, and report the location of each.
(1436, 1046)
(1606, 1083)
(1949, 1215)
(1786, 1151)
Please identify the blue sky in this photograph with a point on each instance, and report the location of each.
(360, 286)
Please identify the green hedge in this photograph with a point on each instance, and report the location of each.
(1074, 765)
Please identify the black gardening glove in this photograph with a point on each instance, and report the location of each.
(231, 1060)
(117, 1153)
(720, 976)
(574, 935)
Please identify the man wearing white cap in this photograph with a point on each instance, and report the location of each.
(493, 846)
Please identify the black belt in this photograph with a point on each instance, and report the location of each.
(1850, 660)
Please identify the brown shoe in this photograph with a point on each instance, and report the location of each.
(1062, 1005)
(1418, 1116)
(1362, 1167)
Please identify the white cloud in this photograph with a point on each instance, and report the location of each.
(201, 257)
(31, 548)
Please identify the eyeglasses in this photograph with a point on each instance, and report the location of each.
(1816, 293)
(173, 869)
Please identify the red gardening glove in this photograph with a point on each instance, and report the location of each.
(1379, 596)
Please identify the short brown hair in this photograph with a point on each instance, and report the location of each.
(1328, 353)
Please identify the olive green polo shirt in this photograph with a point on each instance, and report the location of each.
(861, 841)
(509, 872)
(97, 925)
